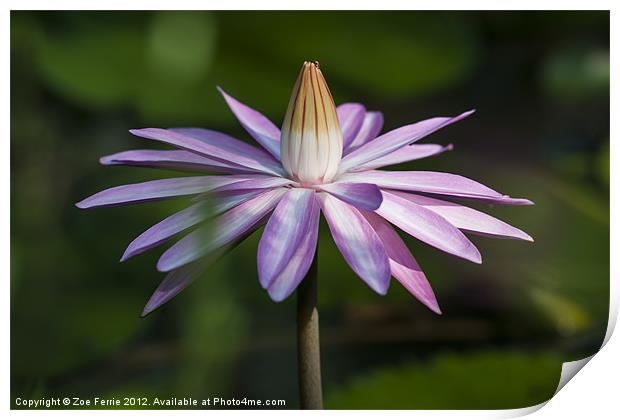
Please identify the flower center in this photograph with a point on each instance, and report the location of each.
(311, 139)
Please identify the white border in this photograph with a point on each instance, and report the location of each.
(593, 394)
(315, 5)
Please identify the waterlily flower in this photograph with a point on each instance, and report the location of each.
(324, 159)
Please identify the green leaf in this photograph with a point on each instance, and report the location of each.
(482, 381)
(97, 63)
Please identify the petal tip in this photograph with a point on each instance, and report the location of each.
(518, 201)
(277, 297)
(229, 99)
(144, 132)
(263, 279)
(381, 292)
(83, 204)
(381, 288)
(436, 309)
(126, 255)
(148, 309)
(519, 234)
(222, 92)
(163, 265)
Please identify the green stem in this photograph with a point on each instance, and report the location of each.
(308, 350)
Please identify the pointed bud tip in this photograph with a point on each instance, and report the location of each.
(311, 137)
(313, 62)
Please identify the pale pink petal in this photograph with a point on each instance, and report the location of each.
(404, 154)
(256, 124)
(215, 145)
(432, 183)
(180, 221)
(362, 196)
(173, 159)
(403, 266)
(370, 129)
(467, 219)
(286, 228)
(351, 117)
(359, 244)
(297, 268)
(394, 140)
(157, 190)
(225, 229)
(427, 226)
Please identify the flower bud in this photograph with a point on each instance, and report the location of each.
(311, 139)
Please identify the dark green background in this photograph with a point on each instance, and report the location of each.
(540, 83)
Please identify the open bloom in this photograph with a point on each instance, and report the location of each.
(325, 159)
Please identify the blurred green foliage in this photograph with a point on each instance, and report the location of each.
(80, 80)
(445, 383)
(577, 73)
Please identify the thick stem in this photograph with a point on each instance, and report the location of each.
(308, 350)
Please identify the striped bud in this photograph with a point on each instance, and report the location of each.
(311, 139)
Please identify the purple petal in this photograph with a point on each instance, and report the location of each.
(395, 139)
(172, 285)
(359, 244)
(178, 222)
(466, 218)
(179, 279)
(404, 267)
(293, 273)
(427, 226)
(404, 154)
(224, 202)
(167, 228)
(214, 145)
(285, 229)
(157, 190)
(172, 159)
(432, 183)
(370, 129)
(250, 184)
(351, 117)
(256, 182)
(226, 228)
(256, 124)
(362, 196)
